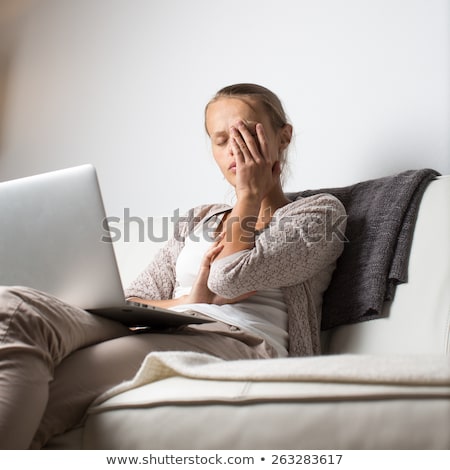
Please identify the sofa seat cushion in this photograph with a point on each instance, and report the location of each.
(383, 422)
(318, 403)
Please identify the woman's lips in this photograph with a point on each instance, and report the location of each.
(232, 167)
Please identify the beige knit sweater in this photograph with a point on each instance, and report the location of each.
(296, 252)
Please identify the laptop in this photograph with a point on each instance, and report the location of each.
(53, 227)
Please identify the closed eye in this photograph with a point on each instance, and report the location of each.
(220, 141)
(219, 138)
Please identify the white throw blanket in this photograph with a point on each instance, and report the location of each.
(411, 370)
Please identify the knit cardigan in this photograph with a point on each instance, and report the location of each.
(296, 252)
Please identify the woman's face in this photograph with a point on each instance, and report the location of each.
(225, 113)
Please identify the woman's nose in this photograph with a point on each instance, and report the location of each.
(230, 152)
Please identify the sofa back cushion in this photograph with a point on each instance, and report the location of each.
(418, 318)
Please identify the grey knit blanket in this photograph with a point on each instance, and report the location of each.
(381, 217)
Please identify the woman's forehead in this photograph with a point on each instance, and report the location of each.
(226, 110)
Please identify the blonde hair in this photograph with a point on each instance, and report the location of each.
(262, 95)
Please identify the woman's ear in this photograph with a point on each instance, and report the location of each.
(286, 136)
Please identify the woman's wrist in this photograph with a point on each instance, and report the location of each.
(249, 200)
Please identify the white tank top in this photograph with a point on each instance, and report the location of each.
(263, 314)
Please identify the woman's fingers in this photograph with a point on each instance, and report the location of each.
(246, 140)
(237, 150)
(211, 253)
(249, 142)
(262, 139)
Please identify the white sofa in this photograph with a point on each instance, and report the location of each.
(381, 384)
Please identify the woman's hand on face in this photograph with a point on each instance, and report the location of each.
(256, 169)
(200, 293)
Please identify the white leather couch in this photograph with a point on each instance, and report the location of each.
(381, 384)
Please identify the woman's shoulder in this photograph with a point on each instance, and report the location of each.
(188, 220)
(312, 203)
(206, 210)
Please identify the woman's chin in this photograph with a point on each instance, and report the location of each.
(230, 176)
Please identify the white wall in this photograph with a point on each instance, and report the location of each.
(123, 83)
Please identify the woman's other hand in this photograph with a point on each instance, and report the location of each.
(200, 293)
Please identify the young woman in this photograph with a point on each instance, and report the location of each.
(258, 269)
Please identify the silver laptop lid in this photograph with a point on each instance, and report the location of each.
(51, 238)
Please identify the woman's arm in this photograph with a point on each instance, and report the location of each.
(157, 280)
(200, 293)
(303, 238)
